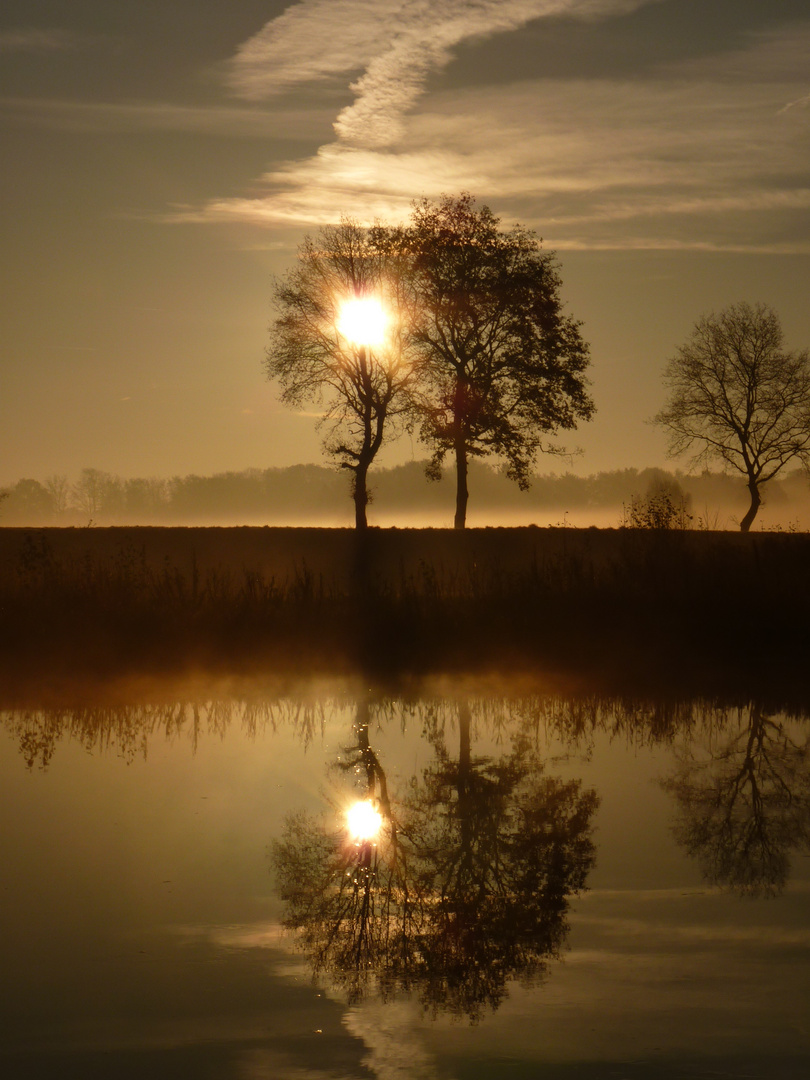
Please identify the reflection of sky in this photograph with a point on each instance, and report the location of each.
(144, 924)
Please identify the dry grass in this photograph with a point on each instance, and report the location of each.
(614, 603)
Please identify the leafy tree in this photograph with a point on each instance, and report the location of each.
(503, 366)
(361, 387)
(737, 396)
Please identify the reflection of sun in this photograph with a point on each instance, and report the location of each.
(364, 821)
(362, 320)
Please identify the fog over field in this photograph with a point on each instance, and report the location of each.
(315, 495)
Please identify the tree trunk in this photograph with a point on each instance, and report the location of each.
(463, 787)
(461, 486)
(464, 740)
(361, 495)
(369, 447)
(756, 502)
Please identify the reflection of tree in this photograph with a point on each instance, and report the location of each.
(347, 899)
(746, 806)
(467, 888)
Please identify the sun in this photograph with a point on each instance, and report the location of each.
(364, 821)
(362, 320)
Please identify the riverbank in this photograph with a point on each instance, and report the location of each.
(613, 603)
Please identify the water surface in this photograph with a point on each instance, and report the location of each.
(562, 887)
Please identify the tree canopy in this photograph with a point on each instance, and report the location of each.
(477, 355)
(737, 396)
(503, 367)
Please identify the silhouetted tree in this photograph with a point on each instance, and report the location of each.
(347, 899)
(744, 806)
(504, 367)
(362, 388)
(145, 498)
(29, 501)
(739, 397)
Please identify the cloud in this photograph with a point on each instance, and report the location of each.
(397, 44)
(800, 103)
(707, 154)
(31, 40)
(591, 160)
(364, 184)
(391, 1033)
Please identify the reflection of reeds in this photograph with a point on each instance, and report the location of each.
(536, 717)
(630, 599)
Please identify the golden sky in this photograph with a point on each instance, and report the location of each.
(162, 162)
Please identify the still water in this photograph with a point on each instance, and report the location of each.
(560, 887)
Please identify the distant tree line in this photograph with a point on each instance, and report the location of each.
(314, 494)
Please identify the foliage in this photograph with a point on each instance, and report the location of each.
(479, 355)
(665, 506)
(735, 395)
(503, 367)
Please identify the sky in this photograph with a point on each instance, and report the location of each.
(162, 163)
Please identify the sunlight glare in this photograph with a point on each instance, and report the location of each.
(364, 821)
(362, 320)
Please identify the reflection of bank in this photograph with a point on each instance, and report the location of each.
(466, 886)
(744, 804)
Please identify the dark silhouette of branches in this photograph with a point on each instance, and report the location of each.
(466, 887)
(736, 395)
(362, 390)
(746, 805)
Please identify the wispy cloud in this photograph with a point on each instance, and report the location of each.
(391, 1033)
(32, 40)
(396, 44)
(708, 154)
(801, 103)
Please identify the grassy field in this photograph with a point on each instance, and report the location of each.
(615, 603)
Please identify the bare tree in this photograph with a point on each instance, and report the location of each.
(58, 487)
(359, 379)
(504, 367)
(744, 804)
(97, 492)
(737, 396)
